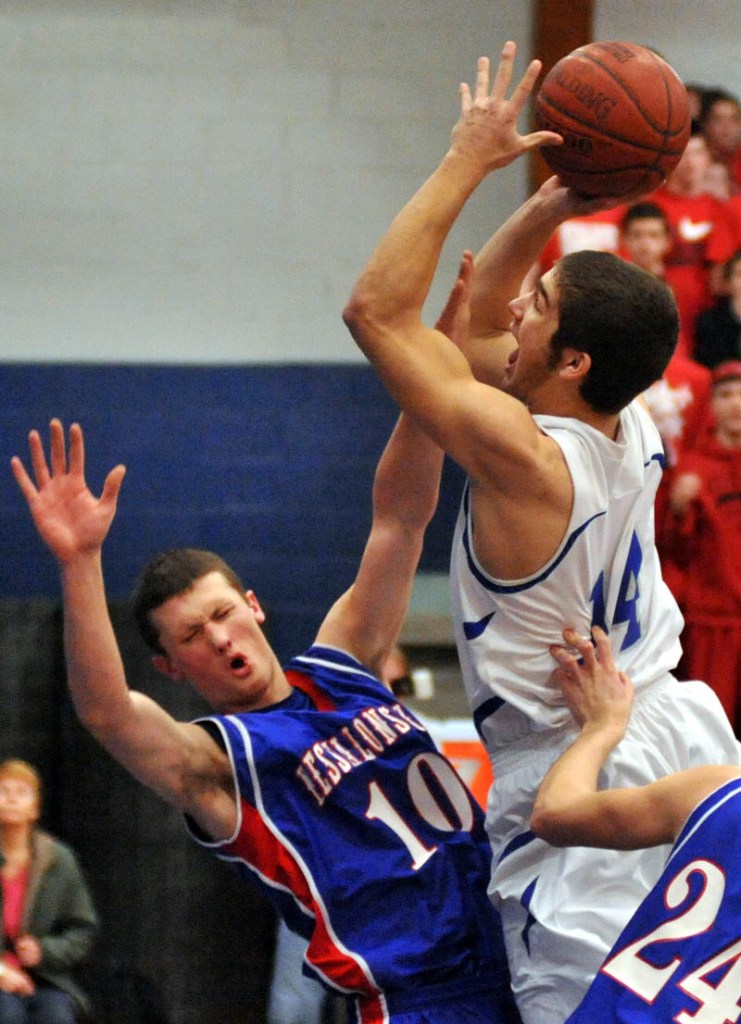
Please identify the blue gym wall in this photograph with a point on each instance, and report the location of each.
(270, 466)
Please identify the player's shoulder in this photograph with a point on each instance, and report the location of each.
(329, 665)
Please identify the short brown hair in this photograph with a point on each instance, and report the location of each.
(625, 318)
(171, 573)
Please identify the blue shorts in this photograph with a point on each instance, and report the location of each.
(463, 1001)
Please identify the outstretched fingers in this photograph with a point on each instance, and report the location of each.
(483, 68)
(76, 450)
(38, 459)
(526, 85)
(24, 481)
(57, 448)
(455, 317)
(112, 486)
(503, 76)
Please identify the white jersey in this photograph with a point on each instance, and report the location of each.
(606, 572)
(558, 929)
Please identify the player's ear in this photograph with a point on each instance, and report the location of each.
(163, 664)
(255, 606)
(574, 365)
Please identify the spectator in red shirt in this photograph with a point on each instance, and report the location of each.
(704, 531)
(692, 214)
(679, 401)
(720, 123)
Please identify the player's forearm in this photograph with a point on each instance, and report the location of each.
(95, 670)
(407, 480)
(564, 806)
(506, 258)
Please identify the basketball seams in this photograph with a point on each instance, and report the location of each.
(635, 99)
(595, 132)
(621, 112)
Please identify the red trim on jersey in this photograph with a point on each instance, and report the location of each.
(373, 1010)
(261, 849)
(307, 685)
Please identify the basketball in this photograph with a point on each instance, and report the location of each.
(624, 116)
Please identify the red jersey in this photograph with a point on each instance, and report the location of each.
(599, 231)
(691, 220)
(708, 537)
(725, 238)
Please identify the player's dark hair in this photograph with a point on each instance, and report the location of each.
(643, 211)
(712, 96)
(623, 317)
(171, 573)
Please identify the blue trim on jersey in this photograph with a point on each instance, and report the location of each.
(659, 457)
(516, 588)
(517, 843)
(703, 811)
(526, 900)
(332, 658)
(484, 711)
(472, 630)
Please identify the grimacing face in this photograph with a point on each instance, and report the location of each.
(211, 635)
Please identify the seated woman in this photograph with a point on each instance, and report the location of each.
(48, 919)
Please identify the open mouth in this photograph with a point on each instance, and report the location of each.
(237, 662)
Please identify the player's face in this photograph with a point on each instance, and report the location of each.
(19, 803)
(647, 242)
(727, 409)
(691, 171)
(723, 126)
(534, 322)
(211, 635)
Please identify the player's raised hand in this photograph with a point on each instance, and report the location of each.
(487, 129)
(596, 692)
(455, 319)
(68, 516)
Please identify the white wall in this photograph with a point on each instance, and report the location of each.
(701, 39)
(202, 181)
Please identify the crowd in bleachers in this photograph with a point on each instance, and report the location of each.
(689, 232)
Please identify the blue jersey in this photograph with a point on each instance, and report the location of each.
(362, 834)
(679, 957)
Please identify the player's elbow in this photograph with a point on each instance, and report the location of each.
(373, 318)
(547, 822)
(359, 316)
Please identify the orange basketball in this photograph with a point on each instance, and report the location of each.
(624, 116)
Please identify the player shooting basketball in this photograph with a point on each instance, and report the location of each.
(556, 523)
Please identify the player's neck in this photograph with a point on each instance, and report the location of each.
(570, 405)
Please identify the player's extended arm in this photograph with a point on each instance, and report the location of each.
(74, 524)
(424, 372)
(569, 809)
(368, 617)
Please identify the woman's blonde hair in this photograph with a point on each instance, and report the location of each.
(16, 768)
